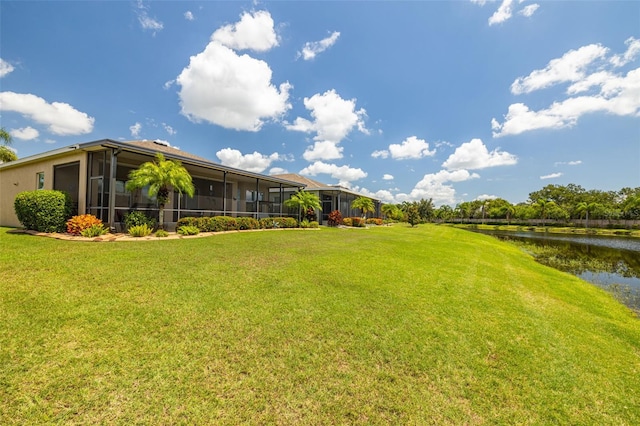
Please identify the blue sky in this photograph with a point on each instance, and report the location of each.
(453, 101)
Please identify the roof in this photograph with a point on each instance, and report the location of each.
(149, 148)
(314, 185)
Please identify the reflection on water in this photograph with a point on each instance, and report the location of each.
(609, 262)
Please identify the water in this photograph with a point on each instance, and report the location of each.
(610, 262)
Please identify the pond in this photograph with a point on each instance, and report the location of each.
(610, 262)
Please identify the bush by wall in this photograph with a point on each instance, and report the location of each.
(374, 221)
(79, 223)
(245, 223)
(335, 218)
(137, 218)
(43, 210)
(228, 223)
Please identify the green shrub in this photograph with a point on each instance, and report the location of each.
(43, 210)
(247, 223)
(224, 223)
(189, 221)
(304, 223)
(94, 231)
(314, 224)
(79, 223)
(357, 222)
(188, 230)
(267, 223)
(140, 230)
(286, 222)
(137, 218)
(161, 233)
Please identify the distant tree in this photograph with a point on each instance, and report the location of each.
(413, 215)
(303, 201)
(631, 207)
(161, 176)
(543, 205)
(425, 209)
(6, 154)
(391, 211)
(586, 208)
(363, 204)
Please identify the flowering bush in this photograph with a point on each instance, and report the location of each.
(347, 221)
(247, 223)
(335, 218)
(374, 221)
(79, 223)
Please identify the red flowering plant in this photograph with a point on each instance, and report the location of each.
(79, 223)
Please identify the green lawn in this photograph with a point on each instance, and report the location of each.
(392, 325)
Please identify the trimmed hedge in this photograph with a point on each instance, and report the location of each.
(228, 223)
(43, 210)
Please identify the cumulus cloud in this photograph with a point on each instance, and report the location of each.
(599, 89)
(529, 10)
(387, 176)
(232, 91)
(135, 130)
(485, 197)
(254, 31)
(277, 171)
(26, 133)
(344, 174)
(59, 117)
(551, 176)
(380, 154)
(633, 51)
(412, 147)
(503, 13)
(333, 119)
(313, 48)
(474, 155)
(5, 68)
(147, 22)
(189, 16)
(255, 162)
(383, 195)
(571, 66)
(435, 186)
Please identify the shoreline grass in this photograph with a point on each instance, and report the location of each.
(430, 325)
(550, 229)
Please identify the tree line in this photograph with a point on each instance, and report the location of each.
(553, 202)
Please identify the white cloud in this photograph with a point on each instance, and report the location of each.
(147, 22)
(255, 162)
(254, 31)
(135, 130)
(312, 48)
(26, 133)
(167, 85)
(474, 155)
(380, 154)
(343, 173)
(333, 119)
(383, 195)
(387, 176)
(568, 163)
(551, 176)
(529, 10)
(60, 118)
(229, 90)
(434, 185)
(485, 197)
(502, 14)
(277, 171)
(412, 147)
(169, 129)
(618, 96)
(189, 16)
(633, 50)
(324, 150)
(570, 67)
(5, 68)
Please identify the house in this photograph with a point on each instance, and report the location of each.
(94, 175)
(332, 197)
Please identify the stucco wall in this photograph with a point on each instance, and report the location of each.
(23, 177)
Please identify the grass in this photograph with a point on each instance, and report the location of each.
(389, 325)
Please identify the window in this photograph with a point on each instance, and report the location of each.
(40, 180)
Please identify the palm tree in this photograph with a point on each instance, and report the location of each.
(542, 204)
(161, 176)
(363, 204)
(6, 154)
(303, 200)
(586, 208)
